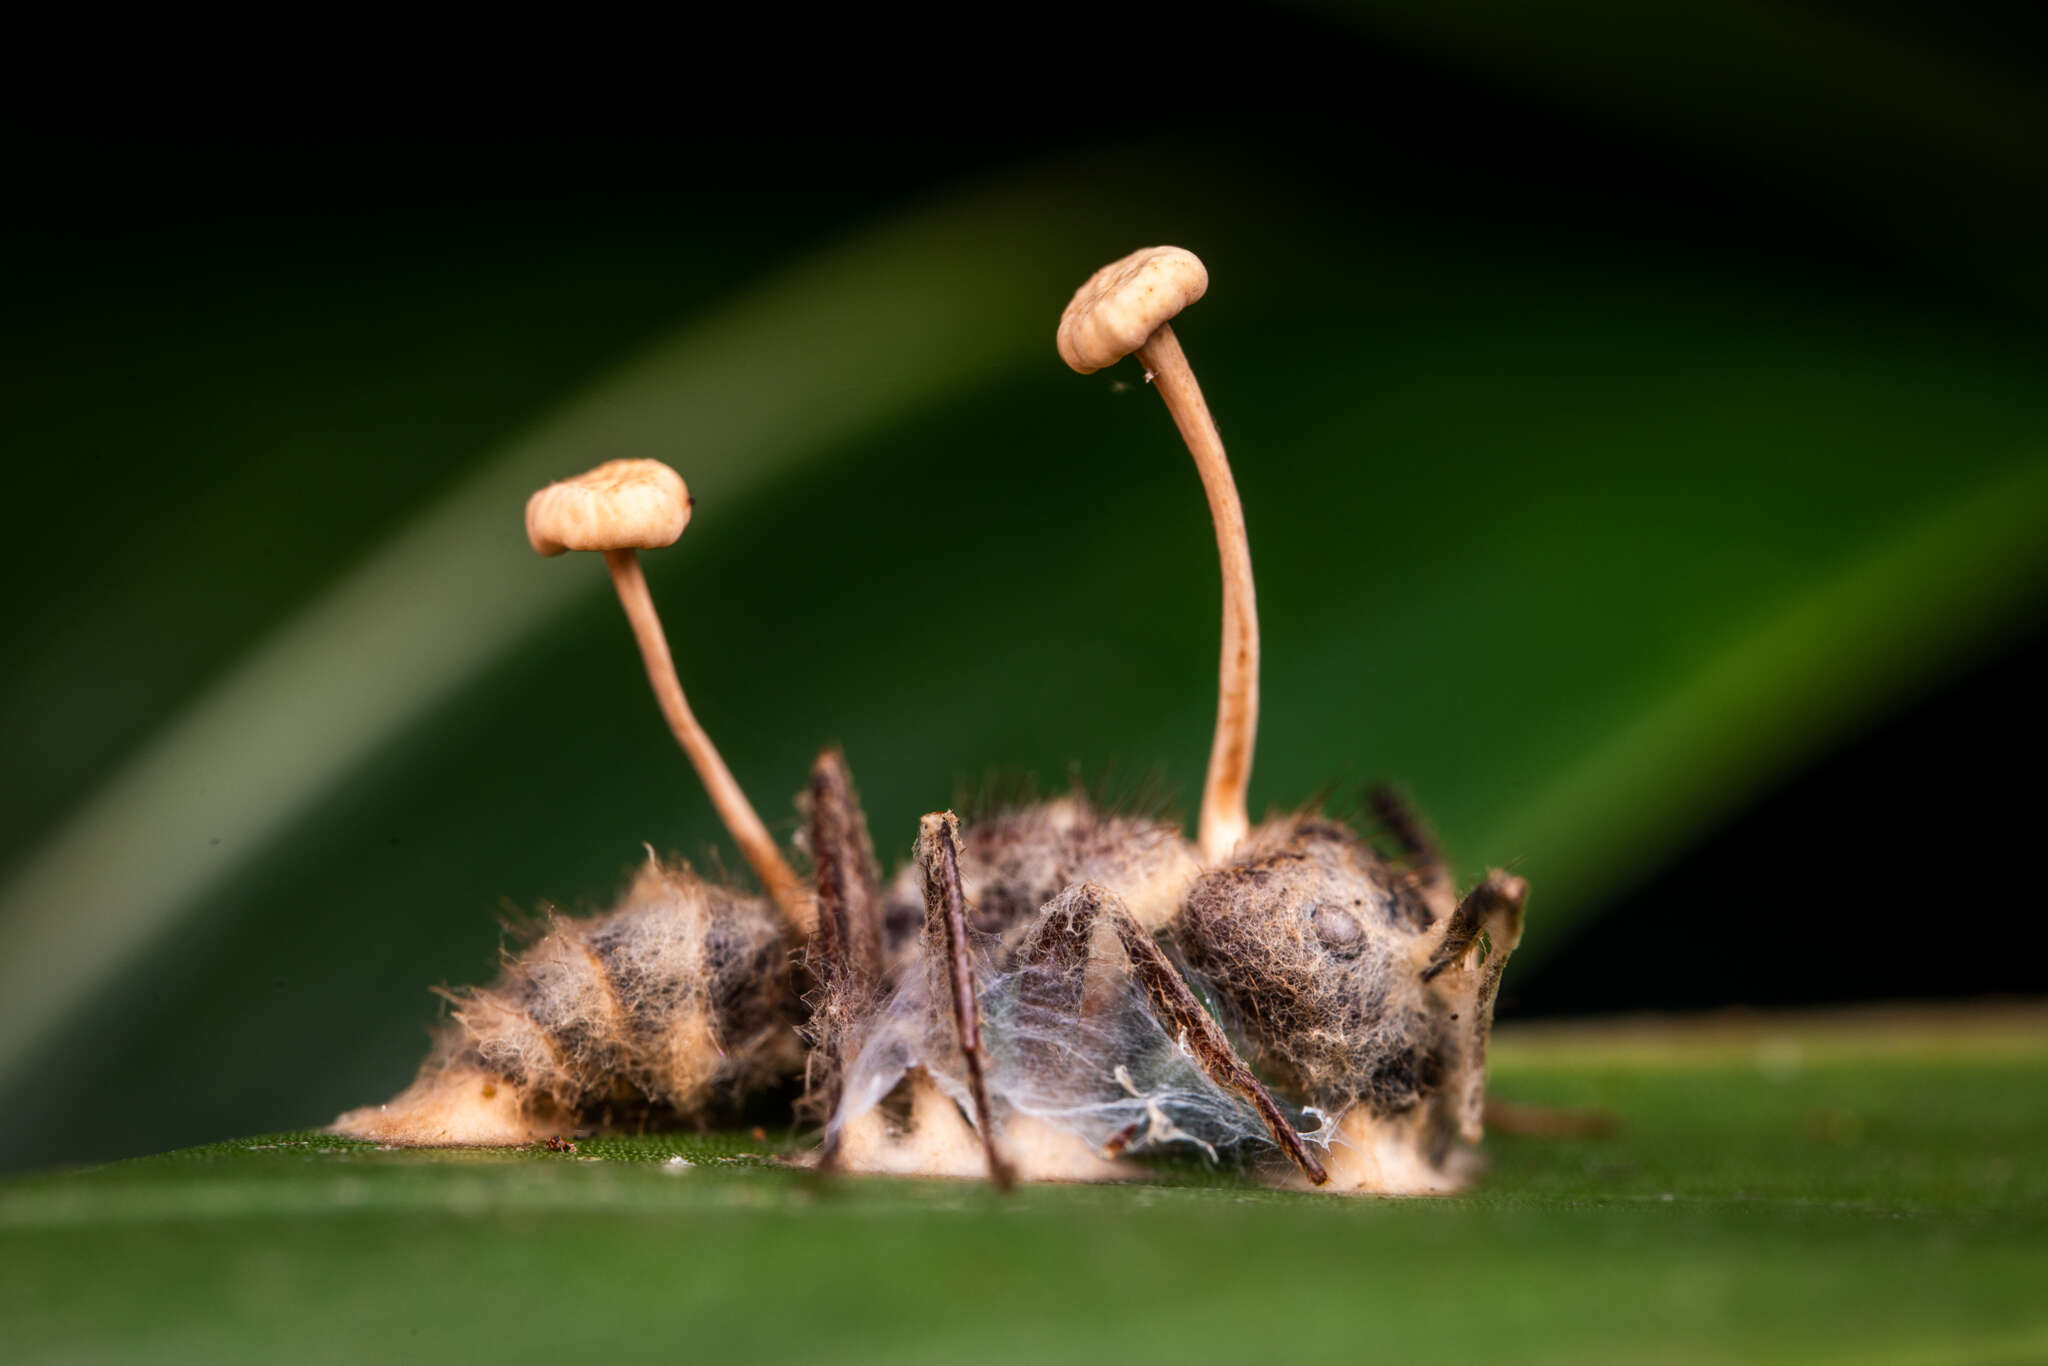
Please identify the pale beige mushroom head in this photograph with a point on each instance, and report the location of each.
(1125, 302)
(618, 508)
(620, 505)
(1127, 309)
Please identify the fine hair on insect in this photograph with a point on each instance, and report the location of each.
(1048, 991)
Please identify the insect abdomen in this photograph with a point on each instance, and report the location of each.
(680, 995)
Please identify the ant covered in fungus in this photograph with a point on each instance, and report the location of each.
(1039, 994)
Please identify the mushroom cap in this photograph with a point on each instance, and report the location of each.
(620, 505)
(1125, 302)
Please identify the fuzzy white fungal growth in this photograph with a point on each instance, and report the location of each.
(1079, 1068)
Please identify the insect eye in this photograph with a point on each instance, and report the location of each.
(1338, 929)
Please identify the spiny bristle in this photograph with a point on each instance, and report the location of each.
(1142, 793)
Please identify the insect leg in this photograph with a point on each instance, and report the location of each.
(848, 884)
(1503, 932)
(1409, 833)
(1183, 1015)
(1056, 949)
(845, 956)
(1053, 964)
(1493, 908)
(945, 942)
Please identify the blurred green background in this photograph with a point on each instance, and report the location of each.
(1627, 418)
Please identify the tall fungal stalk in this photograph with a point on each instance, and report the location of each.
(1124, 309)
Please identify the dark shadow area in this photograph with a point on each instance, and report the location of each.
(1895, 869)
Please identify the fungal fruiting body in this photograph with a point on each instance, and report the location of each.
(1127, 308)
(1041, 993)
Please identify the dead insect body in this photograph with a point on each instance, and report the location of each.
(1038, 994)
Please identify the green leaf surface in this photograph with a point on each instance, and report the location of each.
(1861, 1187)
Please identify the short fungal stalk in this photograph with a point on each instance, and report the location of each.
(1126, 308)
(621, 507)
